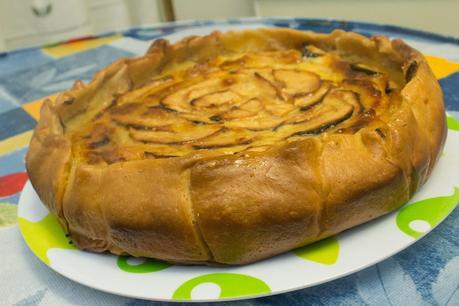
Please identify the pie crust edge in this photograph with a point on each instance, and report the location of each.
(189, 209)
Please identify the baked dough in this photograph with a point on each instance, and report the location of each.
(233, 147)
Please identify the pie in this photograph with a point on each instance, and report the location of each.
(237, 146)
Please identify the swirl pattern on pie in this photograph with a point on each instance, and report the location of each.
(237, 146)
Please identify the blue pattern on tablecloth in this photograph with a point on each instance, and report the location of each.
(42, 80)
(13, 162)
(450, 87)
(7, 101)
(15, 61)
(15, 121)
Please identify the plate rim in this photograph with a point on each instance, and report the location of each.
(29, 188)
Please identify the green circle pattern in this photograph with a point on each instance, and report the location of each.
(150, 265)
(231, 285)
(325, 251)
(431, 210)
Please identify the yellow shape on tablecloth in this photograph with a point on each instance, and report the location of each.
(441, 67)
(78, 46)
(16, 142)
(21, 140)
(8, 214)
(33, 108)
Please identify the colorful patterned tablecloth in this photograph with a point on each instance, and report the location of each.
(425, 273)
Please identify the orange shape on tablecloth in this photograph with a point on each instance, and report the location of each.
(441, 67)
(78, 46)
(21, 140)
(33, 108)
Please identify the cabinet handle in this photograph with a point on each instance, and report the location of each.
(41, 8)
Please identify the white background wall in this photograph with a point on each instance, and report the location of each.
(25, 23)
(440, 16)
(208, 9)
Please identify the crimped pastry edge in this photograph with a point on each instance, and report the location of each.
(212, 228)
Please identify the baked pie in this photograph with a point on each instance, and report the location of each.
(233, 147)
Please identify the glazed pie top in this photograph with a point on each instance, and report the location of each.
(237, 146)
(244, 102)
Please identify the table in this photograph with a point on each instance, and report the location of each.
(425, 273)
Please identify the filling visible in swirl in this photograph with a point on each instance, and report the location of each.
(245, 103)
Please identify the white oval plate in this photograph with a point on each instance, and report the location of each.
(326, 260)
(323, 261)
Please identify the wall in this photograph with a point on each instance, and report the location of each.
(440, 16)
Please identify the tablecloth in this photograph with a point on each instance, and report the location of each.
(425, 273)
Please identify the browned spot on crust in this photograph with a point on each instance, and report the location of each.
(139, 127)
(323, 127)
(98, 137)
(362, 121)
(215, 118)
(311, 51)
(93, 158)
(125, 108)
(411, 71)
(232, 63)
(388, 89)
(68, 100)
(380, 133)
(238, 142)
(309, 54)
(112, 156)
(102, 142)
(364, 84)
(228, 81)
(364, 70)
(198, 69)
(364, 89)
(154, 110)
(148, 154)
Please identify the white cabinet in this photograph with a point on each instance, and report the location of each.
(29, 22)
(26, 23)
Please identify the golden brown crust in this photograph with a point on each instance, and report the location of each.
(258, 206)
(47, 159)
(212, 207)
(156, 196)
